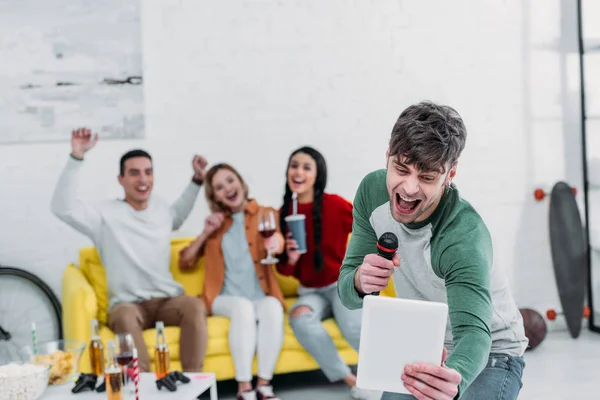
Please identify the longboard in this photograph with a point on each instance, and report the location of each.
(567, 240)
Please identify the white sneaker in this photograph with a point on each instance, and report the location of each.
(246, 395)
(266, 393)
(364, 394)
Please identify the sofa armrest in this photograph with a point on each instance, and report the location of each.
(79, 304)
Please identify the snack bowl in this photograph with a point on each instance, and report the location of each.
(61, 355)
(23, 380)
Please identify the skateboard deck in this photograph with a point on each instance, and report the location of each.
(567, 241)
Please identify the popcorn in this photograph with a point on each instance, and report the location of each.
(22, 381)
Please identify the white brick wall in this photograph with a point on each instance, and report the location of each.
(248, 81)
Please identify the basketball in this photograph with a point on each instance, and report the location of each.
(535, 327)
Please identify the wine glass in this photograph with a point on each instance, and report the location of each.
(267, 227)
(125, 346)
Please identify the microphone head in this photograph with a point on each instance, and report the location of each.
(388, 241)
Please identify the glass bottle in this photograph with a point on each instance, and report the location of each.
(96, 350)
(161, 353)
(112, 375)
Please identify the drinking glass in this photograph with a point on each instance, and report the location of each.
(125, 346)
(267, 227)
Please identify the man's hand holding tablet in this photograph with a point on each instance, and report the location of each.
(426, 381)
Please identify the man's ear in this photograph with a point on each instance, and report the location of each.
(452, 173)
(387, 157)
(120, 179)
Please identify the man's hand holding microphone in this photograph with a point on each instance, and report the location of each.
(373, 275)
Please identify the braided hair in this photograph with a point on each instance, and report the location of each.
(319, 190)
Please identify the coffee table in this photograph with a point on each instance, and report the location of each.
(200, 382)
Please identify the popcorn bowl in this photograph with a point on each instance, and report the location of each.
(23, 380)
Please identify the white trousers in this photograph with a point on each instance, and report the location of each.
(256, 327)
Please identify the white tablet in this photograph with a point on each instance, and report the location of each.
(397, 332)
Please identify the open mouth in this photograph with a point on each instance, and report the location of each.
(231, 197)
(406, 205)
(142, 189)
(298, 181)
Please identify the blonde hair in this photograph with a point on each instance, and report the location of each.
(214, 205)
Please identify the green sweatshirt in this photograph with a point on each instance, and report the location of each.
(447, 258)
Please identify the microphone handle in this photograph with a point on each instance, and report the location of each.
(387, 256)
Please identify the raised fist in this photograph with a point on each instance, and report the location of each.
(82, 140)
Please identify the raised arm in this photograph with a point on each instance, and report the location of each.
(182, 207)
(188, 257)
(65, 203)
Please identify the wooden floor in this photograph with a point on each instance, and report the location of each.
(561, 368)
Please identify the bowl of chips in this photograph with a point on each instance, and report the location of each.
(62, 355)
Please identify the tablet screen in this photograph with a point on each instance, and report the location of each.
(397, 332)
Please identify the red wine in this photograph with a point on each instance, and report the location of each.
(124, 358)
(267, 233)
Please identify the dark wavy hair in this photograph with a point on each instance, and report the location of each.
(429, 135)
(319, 189)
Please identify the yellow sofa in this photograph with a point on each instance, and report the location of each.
(84, 297)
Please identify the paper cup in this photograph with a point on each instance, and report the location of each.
(295, 224)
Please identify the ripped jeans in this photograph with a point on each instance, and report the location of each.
(325, 303)
(501, 379)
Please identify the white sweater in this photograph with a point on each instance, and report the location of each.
(134, 246)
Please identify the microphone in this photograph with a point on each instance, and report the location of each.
(387, 246)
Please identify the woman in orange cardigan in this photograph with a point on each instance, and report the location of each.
(237, 284)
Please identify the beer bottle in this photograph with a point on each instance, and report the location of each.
(112, 375)
(96, 350)
(161, 353)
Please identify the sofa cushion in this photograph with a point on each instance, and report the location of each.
(92, 269)
(288, 284)
(192, 281)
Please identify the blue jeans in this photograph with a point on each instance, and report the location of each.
(325, 303)
(500, 380)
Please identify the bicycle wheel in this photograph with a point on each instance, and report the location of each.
(25, 298)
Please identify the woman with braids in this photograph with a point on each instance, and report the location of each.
(328, 224)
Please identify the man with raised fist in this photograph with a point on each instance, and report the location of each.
(133, 238)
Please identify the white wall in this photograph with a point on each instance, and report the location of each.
(247, 82)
